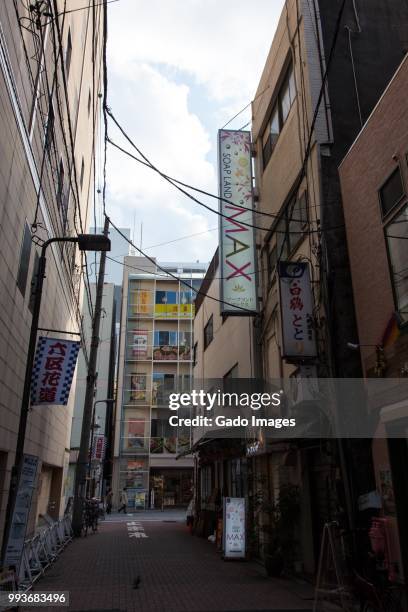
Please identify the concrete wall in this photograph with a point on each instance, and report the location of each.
(102, 367)
(23, 121)
(232, 342)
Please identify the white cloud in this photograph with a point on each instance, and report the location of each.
(222, 45)
(159, 53)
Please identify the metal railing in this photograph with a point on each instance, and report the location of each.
(40, 552)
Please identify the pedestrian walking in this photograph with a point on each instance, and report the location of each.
(123, 501)
(108, 500)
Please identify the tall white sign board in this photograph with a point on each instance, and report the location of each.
(234, 544)
(237, 238)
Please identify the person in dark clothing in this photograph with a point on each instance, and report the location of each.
(108, 500)
(123, 501)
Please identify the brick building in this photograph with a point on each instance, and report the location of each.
(374, 183)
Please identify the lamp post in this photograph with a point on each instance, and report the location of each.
(86, 242)
(93, 427)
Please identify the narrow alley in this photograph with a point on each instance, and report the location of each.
(171, 569)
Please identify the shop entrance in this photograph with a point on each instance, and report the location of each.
(170, 488)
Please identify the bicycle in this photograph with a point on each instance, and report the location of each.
(372, 598)
(89, 516)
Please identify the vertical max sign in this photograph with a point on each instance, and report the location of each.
(237, 240)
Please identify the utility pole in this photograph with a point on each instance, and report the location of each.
(82, 462)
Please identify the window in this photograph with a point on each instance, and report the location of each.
(278, 116)
(208, 332)
(166, 304)
(138, 386)
(287, 95)
(81, 179)
(24, 264)
(391, 192)
(185, 338)
(165, 346)
(272, 261)
(163, 385)
(289, 232)
(68, 54)
(396, 233)
(291, 226)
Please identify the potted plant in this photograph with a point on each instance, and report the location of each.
(281, 516)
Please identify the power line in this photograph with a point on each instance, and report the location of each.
(153, 246)
(176, 183)
(50, 210)
(202, 191)
(180, 280)
(70, 158)
(245, 107)
(37, 9)
(84, 8)
(71, 139)
(126, 265)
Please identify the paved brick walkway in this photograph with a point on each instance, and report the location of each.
(178, 573)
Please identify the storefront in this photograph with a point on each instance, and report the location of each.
(390, 458)
(170, 487)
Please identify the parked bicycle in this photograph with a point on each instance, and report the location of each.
(374, 598)
(90, 516)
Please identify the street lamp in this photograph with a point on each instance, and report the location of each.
(86, 242)
(93, 427)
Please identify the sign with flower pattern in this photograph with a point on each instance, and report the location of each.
(237, 240)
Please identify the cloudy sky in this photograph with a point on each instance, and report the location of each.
(178, 70)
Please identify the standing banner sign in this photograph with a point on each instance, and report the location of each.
(296, 302)
(237, 238)
(53, 370)
(21, 512)
(233, 535)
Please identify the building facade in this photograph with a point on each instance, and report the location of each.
(103, 418)
(223, 352)
(107, 362)
(50, 76)
(155, 359)
(374, 182)
(317, 88)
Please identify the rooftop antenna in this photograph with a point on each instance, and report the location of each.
(134, 227)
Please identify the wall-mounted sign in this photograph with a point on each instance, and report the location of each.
(234, 528)
(237, 240)
(21, 512)
(296, 303)
(139, 348)
(53, 370)
(98, 447)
